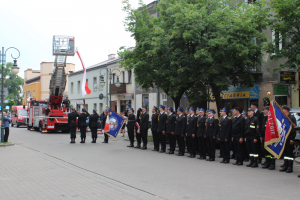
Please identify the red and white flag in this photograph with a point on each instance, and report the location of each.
(107, 124)
(84, 88)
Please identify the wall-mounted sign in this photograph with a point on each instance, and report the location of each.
(101, 96)
(281, 89)
(287, 77)
(79, 101)
(128, 96)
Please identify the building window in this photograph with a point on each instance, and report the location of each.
(122, 78)
(72, 88)
(100, 108)
(281, 99)
(29, 95)
(95, 84)
(129, 76)
(33, 93)
(95, 106)
(164, 99)
(101, 79)
(78, 87)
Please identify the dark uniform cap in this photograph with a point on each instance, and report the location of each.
(171, 109)
(266, 108)
(161, 106)
(187, 109)
(224, 110)
(191, 108)
(286, 108)
(180, 109)
(255, 104)
(250, 109)
(144, 107)
(238, 109)
(154, 107)
(244, 113)
(94, 111)
(83, 110)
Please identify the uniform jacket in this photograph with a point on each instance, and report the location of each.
(82, 119)
(72, 118)
(180, 125)
(192, 125)
(171, 123)
(6, 121)
(238, 127)
(93, 123)
(293, 132)
(130, 125)
(104, 120)
(225, 126)
(66, 102)
(211, 127)
(154, 122)
(144, 121)
(201, 126)
(252, 127)
(263, 126)
(162, 119)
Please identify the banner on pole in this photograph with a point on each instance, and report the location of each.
(113, 123)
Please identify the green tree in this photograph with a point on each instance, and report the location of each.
(286, 32)
(194, 45)
(13, 83)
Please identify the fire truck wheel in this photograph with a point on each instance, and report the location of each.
(28, 128)
(18, 124)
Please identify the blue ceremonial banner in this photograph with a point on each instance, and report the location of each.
(115, 123)
(277, 130)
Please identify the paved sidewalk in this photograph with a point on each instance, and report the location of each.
(29, 174)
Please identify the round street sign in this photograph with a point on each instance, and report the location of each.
(101, 96)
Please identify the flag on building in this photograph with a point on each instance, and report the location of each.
(277, 130)
(113, 123)
(84, 88)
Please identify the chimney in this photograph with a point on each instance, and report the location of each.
(111, 56)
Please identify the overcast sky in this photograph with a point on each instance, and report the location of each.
(29, 25)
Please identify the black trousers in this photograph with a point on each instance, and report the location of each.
(181, 143)
(83, 131)
(138, 137)
(172, 141)
(6, 134)
(193, 144)
(264, 151)
(144, 135)
(162, 140)
(105, 137)
(155, 140)
(252, 147)
(187, 143)
(225, 147)
(211, 146)
(94, 132)
(288, 149)
(131, 135)
(73, 132)
(239, 149)
(259, 149)
(202, 146)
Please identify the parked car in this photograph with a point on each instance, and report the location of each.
(296, 113)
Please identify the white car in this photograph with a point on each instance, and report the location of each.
(296, 113)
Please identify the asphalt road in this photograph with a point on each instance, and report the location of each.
(158, 175)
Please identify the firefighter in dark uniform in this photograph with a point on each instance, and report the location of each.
(237, 133)
(82, 124)
(103, 122)
(162, 119)
(72, 123)
(224, 135)
(259, 115)
(211, 132)
(191, 133)
(187, 114)
(93, 124)
(246, 154)
(130, 127)
(154, 126)
(270, 159)
(252, 135)
(200, 134)
(180, 127)
(67, 103)
(171, 130)
(289, 144)
(144, 126)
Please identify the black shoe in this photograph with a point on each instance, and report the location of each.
(226, 162)
(251, 162)
(155, 150)
(273, 165)
(222, 161)
(144, 148)
(202, 158)
(235, 163)
(180, 154)
(285, 166)
(162, 151)
(290, 166)
(239, 164)
(266, 164)
(246, 160)
(208, 159)
(299, 176)
(94, 141)
(81, 140)
(72, 141)
(102, 142)
(212, 159)
(137, 146)
(192, 156)
(258, 161)
(171, 152)
(131, 145)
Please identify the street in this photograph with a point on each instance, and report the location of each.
(47, 166)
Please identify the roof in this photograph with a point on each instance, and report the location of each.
(33, 79)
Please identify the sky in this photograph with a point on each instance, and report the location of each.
(29, 25)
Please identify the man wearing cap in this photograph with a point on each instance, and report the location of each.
(192, 133)
(170, 132)
(289, 144)
(187, 114)
(237, 132)
(200, 133)
(103, 122)
(211, 132)
(162, 119)
(252, 135)
(180, 130)
(246, 154)
(144, 127)
(224, 135)
(130, 126)
(154, 126)
(244, 114)
(82, 124)
(259, 115)
(93, 123)
(72, 123)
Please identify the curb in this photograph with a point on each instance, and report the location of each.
(6, 145)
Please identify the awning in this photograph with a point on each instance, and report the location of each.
(240, 93)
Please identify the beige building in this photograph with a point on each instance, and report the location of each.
(36, 82)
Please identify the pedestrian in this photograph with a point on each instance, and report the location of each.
(224, 135)
(93, 124)
(162, 120)
(101, 119)
(66, 102)
(246, 154)
(130, 126)
(72, 123)
(144, 127)
(103, 122)
(252, 135)
(6, 126)
(200, 134)
(180, 127)
(82, 124)
(237, 132)
(191, 133)
(171, 130)
(187, 114)
(210, 134)
(137, 129)
(289, 144)
(154, 126)
(123, 126)
(259, 115)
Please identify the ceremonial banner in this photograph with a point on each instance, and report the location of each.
(138, 127)
(277, 130)
(85, 88)
(113, 124)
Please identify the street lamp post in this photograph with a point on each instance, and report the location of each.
(14, 70)
(102, 82)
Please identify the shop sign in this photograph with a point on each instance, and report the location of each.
(281, 89)
(128, 96)
(287, 77)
